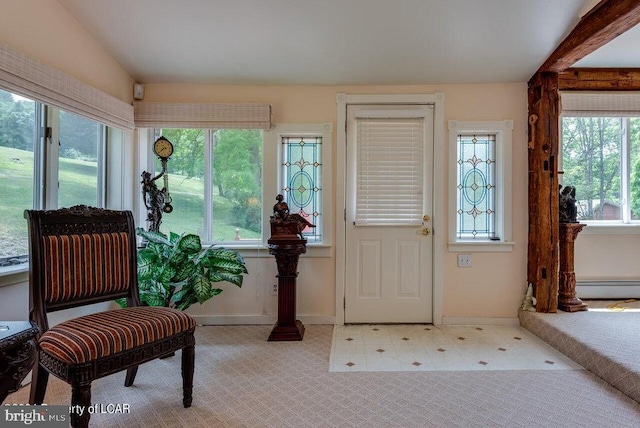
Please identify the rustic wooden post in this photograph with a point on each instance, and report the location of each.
(542, 261)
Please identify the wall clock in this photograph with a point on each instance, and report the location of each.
(163, 148)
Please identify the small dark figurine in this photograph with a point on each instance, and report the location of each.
(281, 214)
(568, 209)
(153, 200)
(280, 209)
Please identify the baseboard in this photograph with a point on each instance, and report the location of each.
(479, 321)
(259, 319)
(608, 289)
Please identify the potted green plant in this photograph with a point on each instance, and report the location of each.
(176, 271)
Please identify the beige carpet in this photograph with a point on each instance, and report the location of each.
(604, 340)
(244, 381)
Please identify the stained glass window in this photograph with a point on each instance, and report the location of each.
(302, 180)
(476, 187)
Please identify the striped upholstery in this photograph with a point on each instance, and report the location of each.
(79, 266)
(103, 334)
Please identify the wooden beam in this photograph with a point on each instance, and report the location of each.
(605, 22)
(599, 79)
(544, 216)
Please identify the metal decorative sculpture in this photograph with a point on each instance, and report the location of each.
(155, 200)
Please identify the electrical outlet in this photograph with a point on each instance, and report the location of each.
(464, 260)
(274, 290)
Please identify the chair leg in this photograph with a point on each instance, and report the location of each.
(188, 365)
(39, 380)
(131, 375)
(80, 402)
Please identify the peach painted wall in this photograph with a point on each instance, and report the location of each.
(44, 30)
(492, 288)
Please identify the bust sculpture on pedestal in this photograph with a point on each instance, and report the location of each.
(286, 244)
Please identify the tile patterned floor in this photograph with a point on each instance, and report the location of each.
(452, 348)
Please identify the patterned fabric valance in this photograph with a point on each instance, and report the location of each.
(605, 104)
(25, 76)
(210, 116)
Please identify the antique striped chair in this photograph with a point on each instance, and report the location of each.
(83, 255)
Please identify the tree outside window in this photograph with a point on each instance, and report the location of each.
(601, 158)
(217, 197)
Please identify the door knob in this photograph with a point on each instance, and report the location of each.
(426, 218)
(426, 231)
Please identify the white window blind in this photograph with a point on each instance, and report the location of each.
(202, 115)
(602, 104)
(390, 162)
(25, 76)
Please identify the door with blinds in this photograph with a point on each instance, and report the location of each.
(389, 188)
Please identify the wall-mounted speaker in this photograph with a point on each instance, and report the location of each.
(138, 91)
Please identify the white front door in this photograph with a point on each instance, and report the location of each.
(389, 188)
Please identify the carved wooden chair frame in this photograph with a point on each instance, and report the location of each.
(84, 255)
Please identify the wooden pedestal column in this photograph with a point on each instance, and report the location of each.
(567, 300)
(287, 243)
(287, 252)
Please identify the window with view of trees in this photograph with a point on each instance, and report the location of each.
(17, 137)
(601, 158)
(215, 182)
(81, 144)
(67, 173)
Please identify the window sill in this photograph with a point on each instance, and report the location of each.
(258, 251)
(611, 229)
(481, 247)
(14, 274)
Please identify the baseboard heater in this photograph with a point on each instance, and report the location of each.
(620, 289)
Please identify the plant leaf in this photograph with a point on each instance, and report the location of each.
(201, 288)
(152, 299)
(184, 304)
(146, 264)
(151, 236)
(174, 237)
(190, 244)
(185, 270)
(167, 274)
(216, 276)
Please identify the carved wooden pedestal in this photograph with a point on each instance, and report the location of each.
(287, 252)
(17, 354)
(567, 300)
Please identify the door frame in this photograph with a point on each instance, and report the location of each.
(439, 186)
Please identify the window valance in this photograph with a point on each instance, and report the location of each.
(25, 76)
(605, 104)
(194, 115)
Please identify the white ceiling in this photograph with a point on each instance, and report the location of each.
(338, 42)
